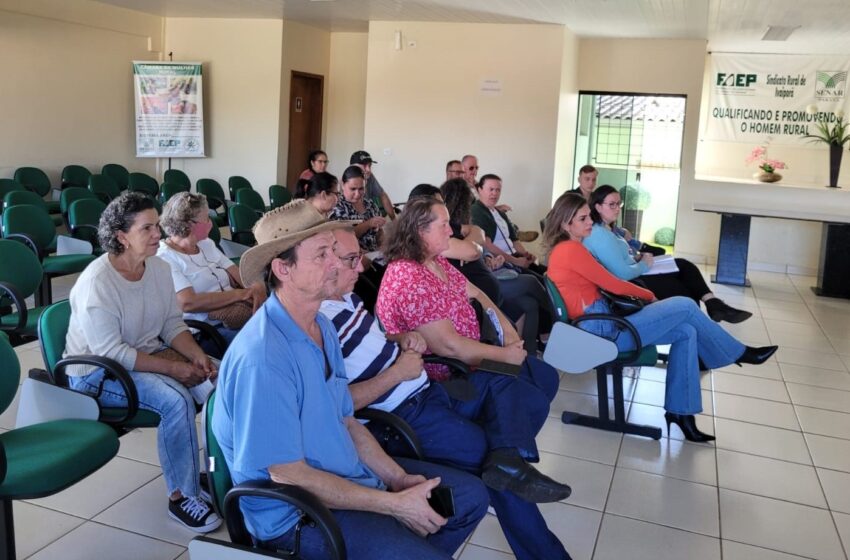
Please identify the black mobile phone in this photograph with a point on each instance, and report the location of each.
(502, 368)
(442, 501)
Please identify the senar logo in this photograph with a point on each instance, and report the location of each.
(735, 80)
(830, 85)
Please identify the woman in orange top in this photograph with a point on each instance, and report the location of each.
(676, 321)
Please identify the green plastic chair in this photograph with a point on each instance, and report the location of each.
(104, 187)
(242, 220)
(17, 198)
(7, 186)
(32, 226)
(52, 330)
(119, 175)
(43, 459)
(236, 183)
(177, 177)
(83, 219)
(225, 499)
(252, 200)
(644, 356)
(70, 195)
(143, 183)
(17, 283)
(167, 190)
(75, 176)
(211, 189)
(278, 196)
(36, 180)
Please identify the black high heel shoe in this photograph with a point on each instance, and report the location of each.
(687, 423)
(756, 356)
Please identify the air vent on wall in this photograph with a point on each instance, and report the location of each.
(778, 32)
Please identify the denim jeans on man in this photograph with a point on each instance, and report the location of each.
(677, 321)
(507, 412)
(372, 536)
(177, 438)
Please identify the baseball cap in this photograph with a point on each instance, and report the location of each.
(361, 156)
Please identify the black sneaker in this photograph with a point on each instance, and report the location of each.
(195, 514)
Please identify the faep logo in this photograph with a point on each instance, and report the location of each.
(735, 80)
(830, 85)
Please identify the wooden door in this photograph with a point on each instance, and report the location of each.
(305, 122)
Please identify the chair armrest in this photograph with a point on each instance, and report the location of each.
(313, 511)
(113, 370)
(2, 463)
(458, 366)
(208, 331)
(393, 423)
(633, 354)
(78, 227)
(26, 240)
(19, 303)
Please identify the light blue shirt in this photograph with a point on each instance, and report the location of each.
(613, 253)
(274, 406)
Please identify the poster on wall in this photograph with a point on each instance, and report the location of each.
(169, 109)
(780, 97)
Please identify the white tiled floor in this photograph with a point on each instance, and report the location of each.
(775, 486)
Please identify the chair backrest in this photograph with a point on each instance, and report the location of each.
(177, 177)
(237, 182)
(17, 198)
(215, 235)
(34, 179)
(278, 196)
(558, 304)
(143, 183)
(25, 275)
(52, 330)
(218, 474)
(167, 190)
(75, 176)
(211, 189)
(72, 194)
(104, 187)
(32, 221)
(118, 173)
(252, 199)
(83, 219)
(10, 373)
(7, 186)
(242, 220)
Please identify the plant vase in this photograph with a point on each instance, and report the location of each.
(836, 151)
(766, 176)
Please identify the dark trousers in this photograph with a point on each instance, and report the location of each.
(373, 536)
(508, 412)
(687, 282)
(525, 295)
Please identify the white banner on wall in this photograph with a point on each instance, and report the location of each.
(169, 109)
(781, 97)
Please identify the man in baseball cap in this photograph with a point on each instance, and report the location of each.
(283, 413)
(364, 161)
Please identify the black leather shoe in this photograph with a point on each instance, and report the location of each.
(756, 356)
(719, 310)
(687, 423)
(504, 469)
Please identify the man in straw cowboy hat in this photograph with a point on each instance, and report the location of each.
(284, 413)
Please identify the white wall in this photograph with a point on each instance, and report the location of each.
(242, 67)
(424, 106)
(66, 92)
(346, 95)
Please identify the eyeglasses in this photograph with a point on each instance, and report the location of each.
(351, 261)
(613, 205)
(474, 167)
(321, 161)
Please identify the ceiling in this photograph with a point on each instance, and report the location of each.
(727, 25)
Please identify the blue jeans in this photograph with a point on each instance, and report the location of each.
(177, 439)
(679, 322)
(461, 434)
(373, 536)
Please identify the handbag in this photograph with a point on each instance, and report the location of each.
(233, 316)
(622, 305)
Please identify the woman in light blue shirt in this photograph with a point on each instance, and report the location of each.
(619, 258)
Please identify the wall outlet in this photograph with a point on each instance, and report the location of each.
(388, 151)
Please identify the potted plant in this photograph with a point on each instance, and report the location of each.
(635, 201)
(767, 167)
(836, 136)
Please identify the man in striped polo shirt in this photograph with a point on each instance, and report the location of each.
(386, 373)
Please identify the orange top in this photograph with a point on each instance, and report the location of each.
(579, 276)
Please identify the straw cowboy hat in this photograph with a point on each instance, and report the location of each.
(280, 229)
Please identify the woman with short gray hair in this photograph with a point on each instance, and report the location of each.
(123, 307)
(208, 285)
